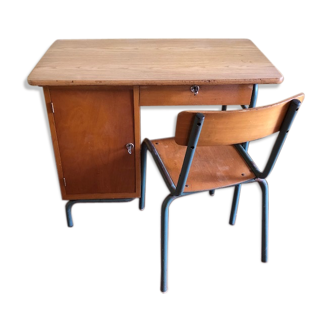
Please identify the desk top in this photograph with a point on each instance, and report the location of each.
(153, 62)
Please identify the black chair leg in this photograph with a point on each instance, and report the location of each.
(211, 192)
(234, 206)
(236, 196)
(264, 222)
(164, 249)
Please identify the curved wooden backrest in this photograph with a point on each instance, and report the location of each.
(233, 127)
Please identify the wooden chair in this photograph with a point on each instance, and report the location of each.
(207, 153)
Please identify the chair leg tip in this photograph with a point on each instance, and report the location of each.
(166, 293)
(265, 262)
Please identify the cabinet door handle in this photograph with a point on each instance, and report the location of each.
(130, 147)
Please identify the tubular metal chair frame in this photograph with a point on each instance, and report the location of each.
(178, 190)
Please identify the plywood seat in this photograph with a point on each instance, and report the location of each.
(212, 167)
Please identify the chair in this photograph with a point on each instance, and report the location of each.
(208, 153)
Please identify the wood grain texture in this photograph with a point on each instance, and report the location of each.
(93, 126)
(207, 95)
(153, 62)
(234, 126)
(212, 166)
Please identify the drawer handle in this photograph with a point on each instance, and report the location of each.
(194, 89)
(130, 147)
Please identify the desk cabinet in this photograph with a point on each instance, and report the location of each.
(91, 127)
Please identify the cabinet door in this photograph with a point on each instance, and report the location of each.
(93, 126)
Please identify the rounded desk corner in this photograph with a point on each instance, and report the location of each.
(28, 85)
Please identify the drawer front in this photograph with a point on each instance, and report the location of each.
(239, 94)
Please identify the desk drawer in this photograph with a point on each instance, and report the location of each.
(239, 94)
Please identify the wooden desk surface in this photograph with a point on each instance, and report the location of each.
(153, 62)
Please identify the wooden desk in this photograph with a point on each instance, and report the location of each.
(94, 89)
